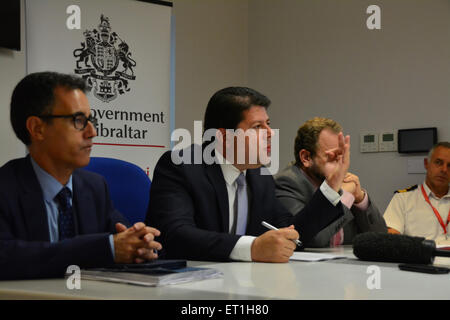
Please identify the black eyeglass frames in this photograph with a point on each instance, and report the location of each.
(79, 119)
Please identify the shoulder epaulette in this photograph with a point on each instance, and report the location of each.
(407, 189)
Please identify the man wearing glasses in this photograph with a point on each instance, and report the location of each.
(53, 214)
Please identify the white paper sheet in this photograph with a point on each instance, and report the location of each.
(313, 256)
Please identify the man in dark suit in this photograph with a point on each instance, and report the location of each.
(53, 214)
(212, 209)
(297, 183)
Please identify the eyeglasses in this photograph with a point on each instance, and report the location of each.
(79, 119)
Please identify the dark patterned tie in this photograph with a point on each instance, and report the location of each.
(65, 220)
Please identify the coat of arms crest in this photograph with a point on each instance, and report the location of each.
(98, 59)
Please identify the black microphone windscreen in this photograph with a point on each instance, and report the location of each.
(384, 247)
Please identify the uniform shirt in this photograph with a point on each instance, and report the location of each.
(410, 214)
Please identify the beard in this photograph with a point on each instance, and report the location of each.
(316, 172)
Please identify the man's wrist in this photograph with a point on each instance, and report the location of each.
(335, 186)
(360, 197)
(364, 204)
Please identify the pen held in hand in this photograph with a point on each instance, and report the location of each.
(271, 227)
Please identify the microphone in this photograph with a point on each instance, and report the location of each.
(385, 247)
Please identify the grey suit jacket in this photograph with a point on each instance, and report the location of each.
(294, 191)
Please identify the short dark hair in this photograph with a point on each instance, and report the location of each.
(225, 107)
(34, 96)
(308, 135)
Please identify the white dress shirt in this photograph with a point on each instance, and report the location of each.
(242, 249)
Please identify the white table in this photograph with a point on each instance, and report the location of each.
(334, 279)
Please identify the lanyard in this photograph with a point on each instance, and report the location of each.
(438, 216)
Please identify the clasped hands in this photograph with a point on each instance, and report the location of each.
(135, 244)
(351, 184)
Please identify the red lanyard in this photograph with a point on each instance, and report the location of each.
(438, 216)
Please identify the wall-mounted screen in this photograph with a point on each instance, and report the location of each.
(416, 140)
(10, 24)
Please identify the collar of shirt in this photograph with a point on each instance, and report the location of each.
(49, 185)
(229, 171)
(431, 193)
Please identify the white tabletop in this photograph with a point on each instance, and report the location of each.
(334, 279)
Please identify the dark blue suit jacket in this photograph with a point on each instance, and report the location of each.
(189, 205)
(25, 250)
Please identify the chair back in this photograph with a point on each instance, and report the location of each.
(129, 186)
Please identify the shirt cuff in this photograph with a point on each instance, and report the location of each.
(111, 242)
(330, 194)
(348, 199)
(242, 251)
(364, 204)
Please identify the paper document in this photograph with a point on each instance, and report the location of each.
(314, 256)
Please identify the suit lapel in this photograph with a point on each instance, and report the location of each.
(32, 202)
(255, 199)
(217, 180)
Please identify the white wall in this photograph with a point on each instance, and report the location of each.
(211, 53)
(317, 58)
(311, 57)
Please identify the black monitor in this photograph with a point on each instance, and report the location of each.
(416, 140)
(10, 24)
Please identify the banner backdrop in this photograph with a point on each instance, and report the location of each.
(122, 49)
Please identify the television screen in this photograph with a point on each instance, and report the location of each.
(10, 24)
(416, 140)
